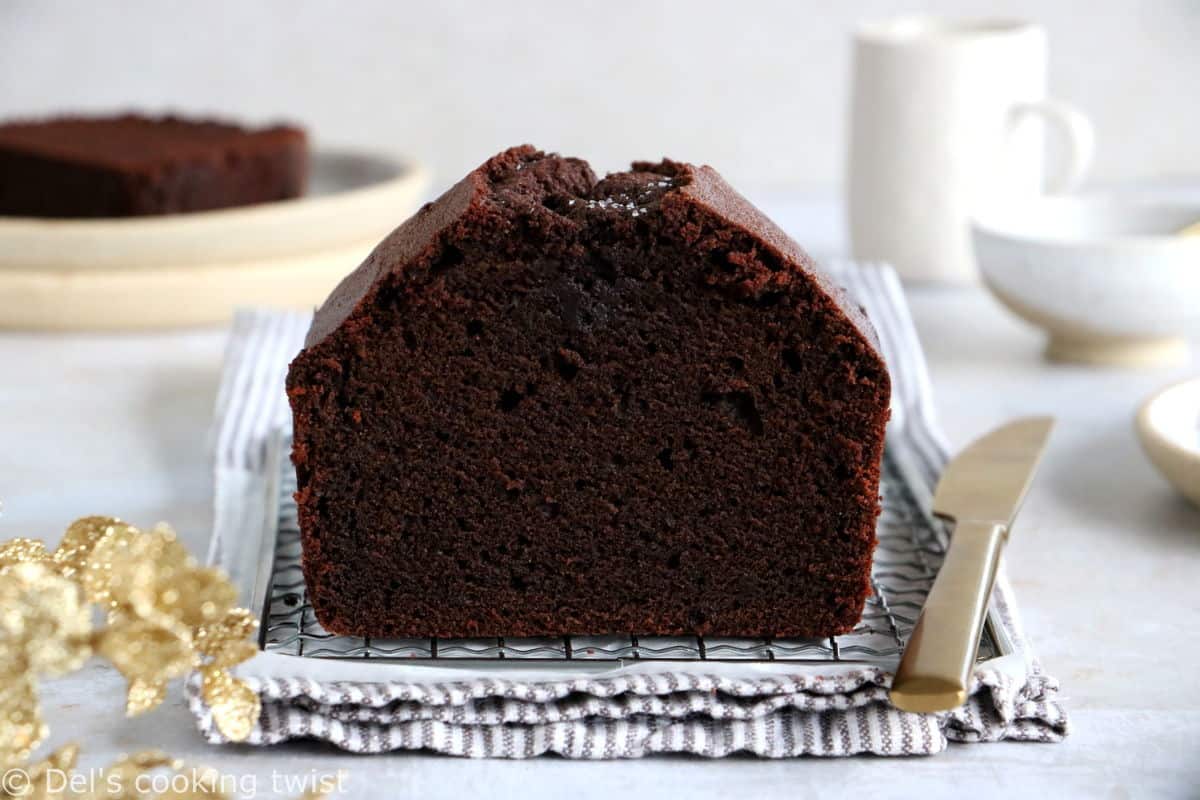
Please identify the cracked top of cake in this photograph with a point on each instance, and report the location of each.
(524, 194)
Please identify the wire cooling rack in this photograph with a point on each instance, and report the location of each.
(910, 551)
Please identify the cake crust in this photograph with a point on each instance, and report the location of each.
(552, 405)
(418, 237)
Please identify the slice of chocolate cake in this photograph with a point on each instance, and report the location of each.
(549, 405)
(132, 166)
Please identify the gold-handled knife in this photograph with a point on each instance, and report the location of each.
(980, 491)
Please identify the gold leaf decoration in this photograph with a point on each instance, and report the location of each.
(44, 623)
(144, 695)
(196, 596)
(144, 650)
(234, 705)
(225, 640)
(21, 725)
(80, 539)
(166, 615)
(44, 780)
(166, 612)
(105, 570)
(235, 653)
(120, 779)
(22, 551)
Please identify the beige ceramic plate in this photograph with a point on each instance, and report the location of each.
(189, 269)
(1169, 427)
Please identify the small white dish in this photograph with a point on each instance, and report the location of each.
(188, 269)
(1168, 425)
(1108, 278)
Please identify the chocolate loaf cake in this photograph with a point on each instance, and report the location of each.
(549, 405)
(132, 166)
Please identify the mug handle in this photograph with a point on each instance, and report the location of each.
(1077, 132)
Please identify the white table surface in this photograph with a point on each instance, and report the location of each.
(1105, 563)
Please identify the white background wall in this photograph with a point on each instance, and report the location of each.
(757, 89)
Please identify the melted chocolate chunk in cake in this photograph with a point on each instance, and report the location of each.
(549, 405)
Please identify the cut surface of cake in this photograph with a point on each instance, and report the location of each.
(132, 165)
(551, 405)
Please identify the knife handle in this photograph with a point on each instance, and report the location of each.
(936, 667)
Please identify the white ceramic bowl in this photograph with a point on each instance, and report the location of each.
(1169, 428)
(1109, 279)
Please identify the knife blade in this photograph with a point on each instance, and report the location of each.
(981, 491)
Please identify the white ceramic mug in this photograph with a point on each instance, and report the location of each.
(938, 131)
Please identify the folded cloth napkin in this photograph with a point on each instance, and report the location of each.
(816, 711)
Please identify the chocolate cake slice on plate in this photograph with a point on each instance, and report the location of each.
(133, 165)
(553, 405)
